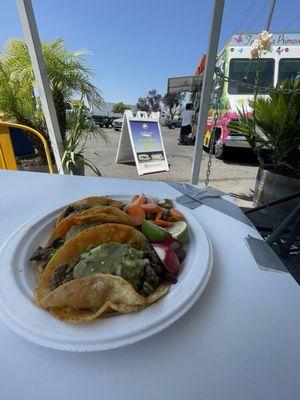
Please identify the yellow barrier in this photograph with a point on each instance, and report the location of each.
(7, 155)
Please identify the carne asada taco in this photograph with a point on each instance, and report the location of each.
(104, 268)
(86, 203)
(74, 224)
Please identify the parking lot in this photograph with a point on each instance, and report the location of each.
(235, 176)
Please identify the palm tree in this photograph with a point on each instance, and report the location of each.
(68, 74)
(17, 102)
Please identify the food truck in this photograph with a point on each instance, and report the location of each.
(234, 63)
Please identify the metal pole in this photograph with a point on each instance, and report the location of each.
(272, 6)
(215, 28)
(274, 203)
(292, 217)
(39, 68)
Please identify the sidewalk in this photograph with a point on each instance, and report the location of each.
(236, 177)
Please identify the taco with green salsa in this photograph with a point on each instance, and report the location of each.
(74, 224)
(107, 267)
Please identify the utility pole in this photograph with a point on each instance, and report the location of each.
(39, 69)
(268, 23)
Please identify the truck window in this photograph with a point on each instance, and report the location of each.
(288, 68)
(244, 70)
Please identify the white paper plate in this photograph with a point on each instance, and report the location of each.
(19, 312)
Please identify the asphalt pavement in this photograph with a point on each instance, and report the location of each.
(235, 176)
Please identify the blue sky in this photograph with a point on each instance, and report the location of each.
(136, 44)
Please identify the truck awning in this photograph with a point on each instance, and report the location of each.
(184, 84)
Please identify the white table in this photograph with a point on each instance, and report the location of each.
(240, 341)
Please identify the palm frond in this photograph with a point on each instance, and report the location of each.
(80, 128)
(69, 76)
(278, 118)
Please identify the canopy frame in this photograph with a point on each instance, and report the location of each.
(205, 93)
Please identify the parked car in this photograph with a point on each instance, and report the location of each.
(174, 123)
(102, 121)
(117, 124)
(113, 119)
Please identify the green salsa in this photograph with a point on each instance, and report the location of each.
(79, 228)
(113, 258)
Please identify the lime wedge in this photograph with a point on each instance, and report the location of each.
(179, 231)
(153, 232)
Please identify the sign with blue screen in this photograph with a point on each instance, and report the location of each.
(146, 145)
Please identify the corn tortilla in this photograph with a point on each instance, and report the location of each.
(82, 300)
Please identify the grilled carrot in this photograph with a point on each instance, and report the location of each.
(175, 214)
(137, 214)
(143, 200)
(159, 216)
(163, 224)
(151, 207)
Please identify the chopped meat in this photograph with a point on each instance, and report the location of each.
(40, 253)
(56, 243)
(69, 210)
(170, 278)
(151, 275)
(154, 271)
(154, 260)
(45, 253)
(62, 274)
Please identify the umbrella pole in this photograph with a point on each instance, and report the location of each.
(205, 94)
(39, 68)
